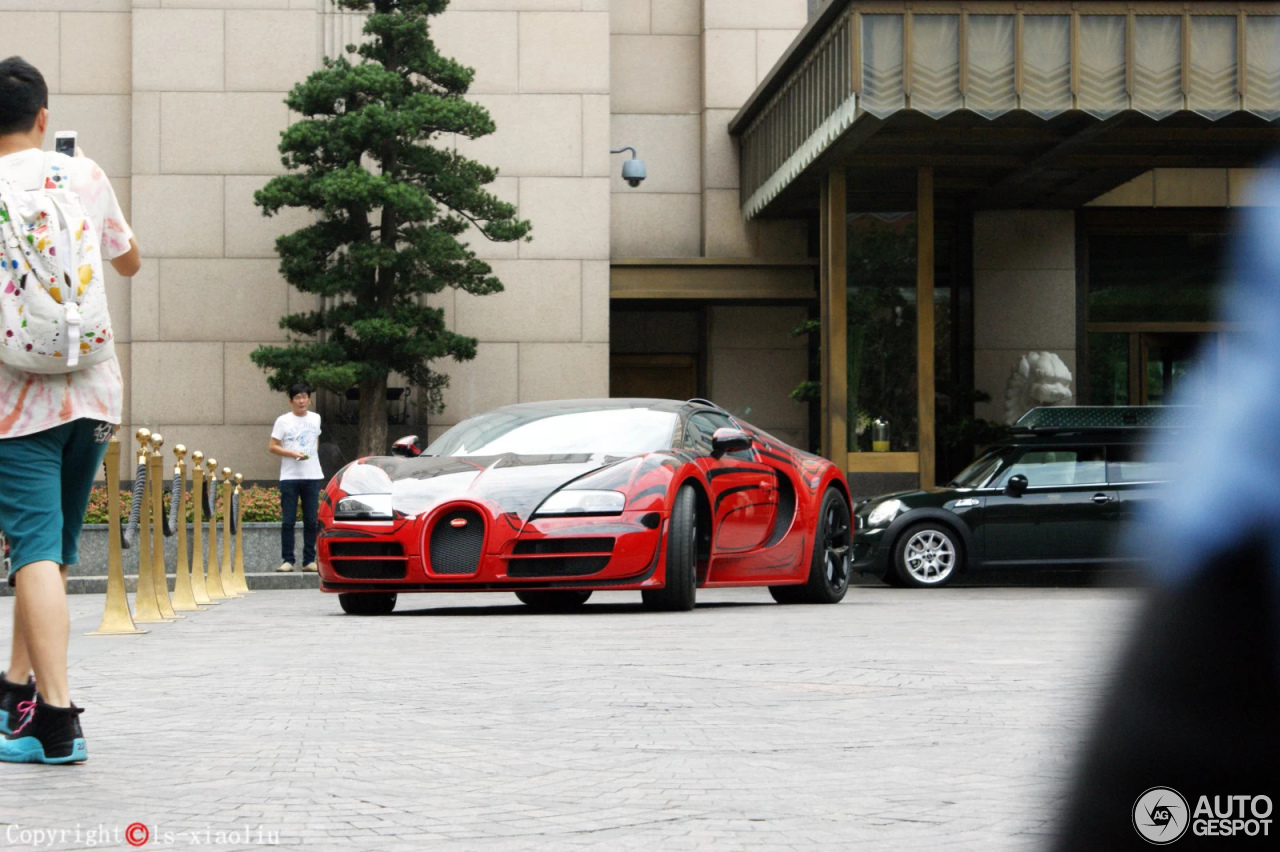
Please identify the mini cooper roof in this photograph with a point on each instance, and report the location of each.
(1099, 418)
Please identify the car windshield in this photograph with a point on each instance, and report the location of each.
(977, 473)
(556, 431)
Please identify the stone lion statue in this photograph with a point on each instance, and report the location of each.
(1038, 379)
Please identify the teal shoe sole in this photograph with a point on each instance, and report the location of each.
(30, 750)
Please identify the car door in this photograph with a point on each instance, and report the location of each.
(743, 491)
(1066, 513)
(1136, 477)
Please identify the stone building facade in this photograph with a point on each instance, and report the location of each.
(181, 101)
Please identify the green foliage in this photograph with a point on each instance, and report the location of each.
(261, 505)
(392, 211)
(807, 391)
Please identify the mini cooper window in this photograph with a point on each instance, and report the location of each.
(551, 431)
(1129, 463)
(1059, 467)
(977, 473)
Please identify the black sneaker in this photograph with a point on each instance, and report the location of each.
(45, 734)
(11, 694)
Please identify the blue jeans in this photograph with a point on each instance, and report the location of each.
(291, 491)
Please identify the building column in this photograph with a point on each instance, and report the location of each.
(925, 325)
(835, 365)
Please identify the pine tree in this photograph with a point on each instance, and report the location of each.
(391, 208)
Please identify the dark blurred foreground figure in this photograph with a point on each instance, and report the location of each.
(1195, 703)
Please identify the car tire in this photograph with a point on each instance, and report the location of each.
(553, 600)
(370, 603)
(927, 556)
(891, 578)
(681, 589)
(829, 564)
(787, 594)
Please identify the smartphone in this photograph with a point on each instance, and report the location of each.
(64, 142)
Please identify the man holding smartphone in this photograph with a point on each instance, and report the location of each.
(296, 438)
(54, 429)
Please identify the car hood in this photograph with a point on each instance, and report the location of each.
(919, 498)
(515, 484)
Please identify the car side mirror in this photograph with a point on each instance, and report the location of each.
(726, 439)
(408, 447)
(1016, 486)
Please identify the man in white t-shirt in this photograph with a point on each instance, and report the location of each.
(54, 431)
(296, 438)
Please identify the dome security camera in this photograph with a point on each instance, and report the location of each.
(633, 171)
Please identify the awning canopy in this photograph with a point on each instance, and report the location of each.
(1049, 104)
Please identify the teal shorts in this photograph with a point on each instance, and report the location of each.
(45, 481)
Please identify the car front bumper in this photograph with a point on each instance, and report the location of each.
(866, 550)
(515, 556)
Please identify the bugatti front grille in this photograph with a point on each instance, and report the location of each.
(457, 542)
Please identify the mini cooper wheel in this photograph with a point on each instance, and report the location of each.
(680, 592)
(553, 600)
(927, 555)
(371, 603)
(829, 565)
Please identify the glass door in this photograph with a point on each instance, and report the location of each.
(1166, 362)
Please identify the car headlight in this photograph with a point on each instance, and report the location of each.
(583, 503)
(883, 515)
(363, 507)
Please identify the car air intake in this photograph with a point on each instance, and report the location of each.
(343, 549)
(557, 566)
(457, 541)
(371, 569)
(368, 560)
(559, 557)
(537, 546)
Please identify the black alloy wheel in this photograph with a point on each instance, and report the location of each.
(680, 592)
(553, 600)
(829, 566)
(367, 603)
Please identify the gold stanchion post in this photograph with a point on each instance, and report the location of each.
(116, 620)
(228, 580)
(155, 470)
(184, 596)
(198, 587)
(214, 578)
(242, 582)
(146, 607)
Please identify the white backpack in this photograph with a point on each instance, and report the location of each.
(53, 302)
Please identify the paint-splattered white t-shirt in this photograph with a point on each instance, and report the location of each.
(30, 402)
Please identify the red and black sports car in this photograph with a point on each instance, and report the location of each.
(555, 500)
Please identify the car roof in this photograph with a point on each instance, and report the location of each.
(670, 405)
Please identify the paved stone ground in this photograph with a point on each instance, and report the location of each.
(898, 720)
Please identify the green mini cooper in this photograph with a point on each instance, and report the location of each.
(1055, 493)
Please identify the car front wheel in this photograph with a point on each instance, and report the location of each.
(927, 555)
(829, 565)
(681, 589)
(371, 603)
